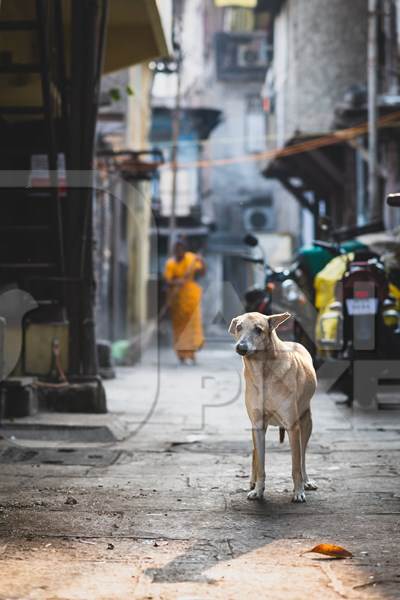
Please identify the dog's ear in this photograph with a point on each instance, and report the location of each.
(232, 326)
(276, 320)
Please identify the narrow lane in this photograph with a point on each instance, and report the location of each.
(167, 516)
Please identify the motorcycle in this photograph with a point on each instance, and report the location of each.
(284, 290)
(292, 289)
(361, 323)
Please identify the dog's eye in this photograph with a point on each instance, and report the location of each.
(258, 330)
(239, 328)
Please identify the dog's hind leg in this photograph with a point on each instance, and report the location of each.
(258, 465)
(306, 429)
(298, 482)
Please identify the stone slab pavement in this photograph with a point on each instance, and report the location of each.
(163, 513)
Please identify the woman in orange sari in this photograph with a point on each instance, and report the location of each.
(184, 301)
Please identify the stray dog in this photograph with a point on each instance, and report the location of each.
(280, 382)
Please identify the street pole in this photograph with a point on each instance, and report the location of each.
(176, 126)
(373, 200)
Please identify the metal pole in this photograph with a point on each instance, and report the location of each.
(3, 325)
(176, 126)
(373, 200)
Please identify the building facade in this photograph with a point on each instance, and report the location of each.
(226, 51)
(318, 84)
(54, 55)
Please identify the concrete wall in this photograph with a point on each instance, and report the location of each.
(138, 197)
(320, 51)
(129, 213)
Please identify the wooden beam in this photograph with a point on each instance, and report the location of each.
(321, 160)
(298, 193)
(301, 166)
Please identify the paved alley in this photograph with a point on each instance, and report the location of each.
(149, 502)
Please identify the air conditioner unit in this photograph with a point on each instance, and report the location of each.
(259, 218)
(242, 56)
(253, 54)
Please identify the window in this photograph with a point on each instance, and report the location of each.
(254, 124)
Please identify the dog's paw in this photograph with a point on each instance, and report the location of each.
(299, 497)
(310, 485)
(256, 494)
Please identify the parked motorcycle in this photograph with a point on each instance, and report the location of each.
(284, 290)
(292, 289)
(361, 321)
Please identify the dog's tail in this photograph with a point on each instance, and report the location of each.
(281, 434)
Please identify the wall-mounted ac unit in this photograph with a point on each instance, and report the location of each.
(242, 56)
(259, 218)
(253, 54)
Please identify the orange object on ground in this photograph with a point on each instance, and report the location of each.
(331, 550)
(185, 304)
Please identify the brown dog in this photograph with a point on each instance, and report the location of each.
(280, 382)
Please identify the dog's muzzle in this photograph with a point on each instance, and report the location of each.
(242, 348)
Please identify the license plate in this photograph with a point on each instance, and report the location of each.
(366, 306)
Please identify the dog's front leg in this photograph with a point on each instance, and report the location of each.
(298, 481)
(253, 477)
(258, 464)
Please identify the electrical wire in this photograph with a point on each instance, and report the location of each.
(336, 137)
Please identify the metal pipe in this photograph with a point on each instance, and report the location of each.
(372, 71)
(176, 121)
(46, 49)
(95, 30)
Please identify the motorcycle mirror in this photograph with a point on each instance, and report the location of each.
(325, 224)
(393, 199)
(250, 240)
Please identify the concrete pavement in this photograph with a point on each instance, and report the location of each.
(160, 510)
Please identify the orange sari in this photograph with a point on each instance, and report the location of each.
(185, 305)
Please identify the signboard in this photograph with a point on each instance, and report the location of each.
(241, 3)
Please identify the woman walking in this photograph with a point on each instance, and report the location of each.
(184, 300)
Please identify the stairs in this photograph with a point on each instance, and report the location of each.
(30, 256)
(31, 230)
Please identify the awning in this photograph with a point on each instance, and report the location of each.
(135, 34)
(302, 167)
(199, 120)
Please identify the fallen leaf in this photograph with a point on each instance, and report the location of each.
(331, 550)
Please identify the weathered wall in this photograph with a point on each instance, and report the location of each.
(320, 51)
(138, 198)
